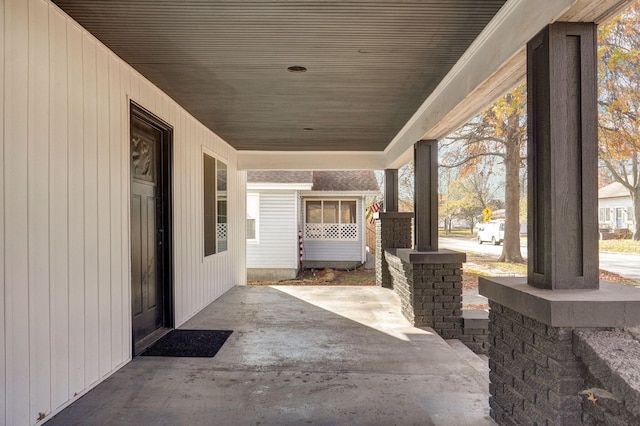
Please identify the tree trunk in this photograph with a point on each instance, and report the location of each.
(511, 246)
(635, 198)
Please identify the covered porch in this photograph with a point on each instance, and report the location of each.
(91, 90)
(299, 355)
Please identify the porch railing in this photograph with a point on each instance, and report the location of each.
(331, 231)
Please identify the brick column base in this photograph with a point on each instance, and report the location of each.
(430, 288)
(393, 230)
(535, 377)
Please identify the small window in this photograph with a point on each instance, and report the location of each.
(214, 205)
(314, 211)
(331, 220)
(253, 216)
(221, 200)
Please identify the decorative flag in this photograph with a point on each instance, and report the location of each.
(373, 208)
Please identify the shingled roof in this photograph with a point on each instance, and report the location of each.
(334, 180)
(614, 190)
(279, 176)
(345, 180)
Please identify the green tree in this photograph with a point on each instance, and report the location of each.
(468, 196)
(496, 137)
(619, 102)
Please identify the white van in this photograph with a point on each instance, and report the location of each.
(491, 231)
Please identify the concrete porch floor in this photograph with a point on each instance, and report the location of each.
(298, 355)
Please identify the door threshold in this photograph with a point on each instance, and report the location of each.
(149, 340)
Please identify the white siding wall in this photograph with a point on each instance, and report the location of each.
(337, 250)
(277, 245)
(64, 210)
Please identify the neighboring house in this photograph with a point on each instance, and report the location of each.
(325, 209)
(615, 207)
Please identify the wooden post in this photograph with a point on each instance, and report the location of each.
(390, 190)
(562, 157)
(425, 157)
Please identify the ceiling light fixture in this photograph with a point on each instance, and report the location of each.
(308, 128)
(296, 68)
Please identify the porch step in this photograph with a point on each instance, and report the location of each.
(480, 363)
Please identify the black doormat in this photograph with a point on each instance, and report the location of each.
(189, 343)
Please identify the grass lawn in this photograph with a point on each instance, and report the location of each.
(456, 233)
(620, 246)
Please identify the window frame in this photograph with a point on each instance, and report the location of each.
(357, 223)
(206, 224)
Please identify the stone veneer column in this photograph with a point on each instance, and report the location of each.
(393, 230)
(430, 288)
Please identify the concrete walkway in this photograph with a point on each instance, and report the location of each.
(298, 355)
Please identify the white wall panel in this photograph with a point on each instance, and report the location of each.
(16, 211)
(76, 210)
(115, 188)
(91, 249)
(38, 194)
(277, 245)
(3, 347)
(58, 210)
(104, 206)
(64, 210)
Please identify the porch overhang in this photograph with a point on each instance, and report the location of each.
(382, 75)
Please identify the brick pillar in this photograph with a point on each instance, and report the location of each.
(430, 288)
(393, 230)
(535, 376)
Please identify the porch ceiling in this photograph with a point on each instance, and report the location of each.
(381, 74)
(370, 64)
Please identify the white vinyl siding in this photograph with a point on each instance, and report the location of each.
(336, 250)
(278, 235)
(64, 211)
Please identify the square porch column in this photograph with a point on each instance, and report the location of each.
(428, 280)
(536, 375)
(390, 203)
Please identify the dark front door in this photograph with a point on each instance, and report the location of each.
(150, 284)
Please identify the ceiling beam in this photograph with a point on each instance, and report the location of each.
(310, 160)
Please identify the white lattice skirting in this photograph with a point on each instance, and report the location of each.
(331, 231)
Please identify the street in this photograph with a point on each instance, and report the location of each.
(626, 265)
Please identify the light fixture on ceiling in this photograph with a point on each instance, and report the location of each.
(296, 68)
(308, 128)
